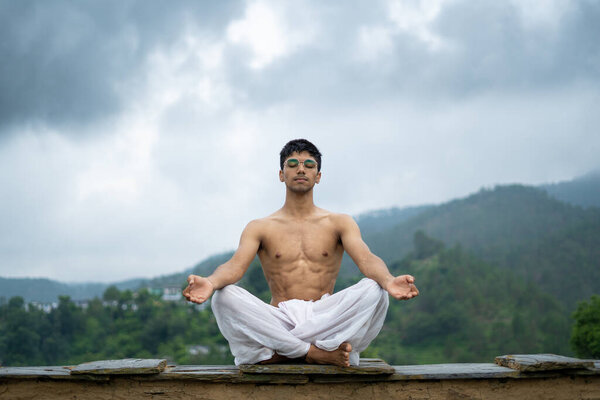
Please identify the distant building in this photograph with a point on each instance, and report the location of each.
(198, 349)
(171, 293)
(45, 307)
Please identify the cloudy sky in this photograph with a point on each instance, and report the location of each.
(138, 137)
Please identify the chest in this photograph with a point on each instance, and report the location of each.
(312, 241)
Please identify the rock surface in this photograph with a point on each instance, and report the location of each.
(542, 362)
(134, 366)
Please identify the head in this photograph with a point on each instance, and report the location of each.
(295, 171)
(298, 146)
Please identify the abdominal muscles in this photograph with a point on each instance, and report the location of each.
(302, 280)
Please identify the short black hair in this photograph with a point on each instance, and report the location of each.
(299, 145)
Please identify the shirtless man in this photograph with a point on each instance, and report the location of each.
(300, 248)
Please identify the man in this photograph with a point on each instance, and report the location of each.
(300, 248)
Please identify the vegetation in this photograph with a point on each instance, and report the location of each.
(586, 331)
(500, 272)
(516, 228)
(468, 311)
(124, 325)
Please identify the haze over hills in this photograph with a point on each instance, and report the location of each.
(515, 227)
(583, 191)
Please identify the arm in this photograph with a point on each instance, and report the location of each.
(401, 287)
(200, 289)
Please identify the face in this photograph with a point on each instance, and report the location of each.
(300, 178)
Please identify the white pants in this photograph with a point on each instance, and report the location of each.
(256, 330)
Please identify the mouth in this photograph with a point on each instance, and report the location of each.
(301, 179)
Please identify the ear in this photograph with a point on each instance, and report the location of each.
(318, 177)
(280, 176)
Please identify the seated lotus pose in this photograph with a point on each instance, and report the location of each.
(300, 248)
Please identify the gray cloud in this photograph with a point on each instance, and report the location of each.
(486, 46)
(67, 62)
(141, 136)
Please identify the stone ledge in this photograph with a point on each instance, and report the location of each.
(372, 371)
(109, 380)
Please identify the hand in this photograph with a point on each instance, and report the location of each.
(402, 287)
(199, 289)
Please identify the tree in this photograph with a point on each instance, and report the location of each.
(585, 337)
(111, 294)
(425, 246)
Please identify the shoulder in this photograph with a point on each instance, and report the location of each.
(343, 222)
(260, 225)
(254, 227)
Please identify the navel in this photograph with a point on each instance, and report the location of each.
(325, 253)
(277, 255)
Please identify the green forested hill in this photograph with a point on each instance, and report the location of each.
(582, 191)
(499, 271)
(515, 227)
(382, 220)
(46, 290)
(468, 311)
(487, 222)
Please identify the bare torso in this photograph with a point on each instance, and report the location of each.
(300, 248)
(301, 257)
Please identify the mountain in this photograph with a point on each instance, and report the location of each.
(582, 191)
(467, 311)
(47, 291)
(513, 227)
(204, 267)
(381, 220)
(535, 231)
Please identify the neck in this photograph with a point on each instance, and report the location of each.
(298, 204)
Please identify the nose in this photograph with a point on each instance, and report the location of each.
(301, 168)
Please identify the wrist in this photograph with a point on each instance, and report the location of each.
(387, 282)
(211, 282)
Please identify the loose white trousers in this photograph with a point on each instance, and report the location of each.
(256, 330)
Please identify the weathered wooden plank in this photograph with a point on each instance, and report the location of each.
(51, 372)
(130, 366)
(232, 374)
(452, 371)
(25, 372)
(542, 362)
(367, 366)
(219, 373)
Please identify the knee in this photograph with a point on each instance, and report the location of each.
(224, 298)
(373, 293)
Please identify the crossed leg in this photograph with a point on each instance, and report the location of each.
(338, 326)
(315, 355)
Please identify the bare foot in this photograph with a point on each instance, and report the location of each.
(339, 357)
(275, 359)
